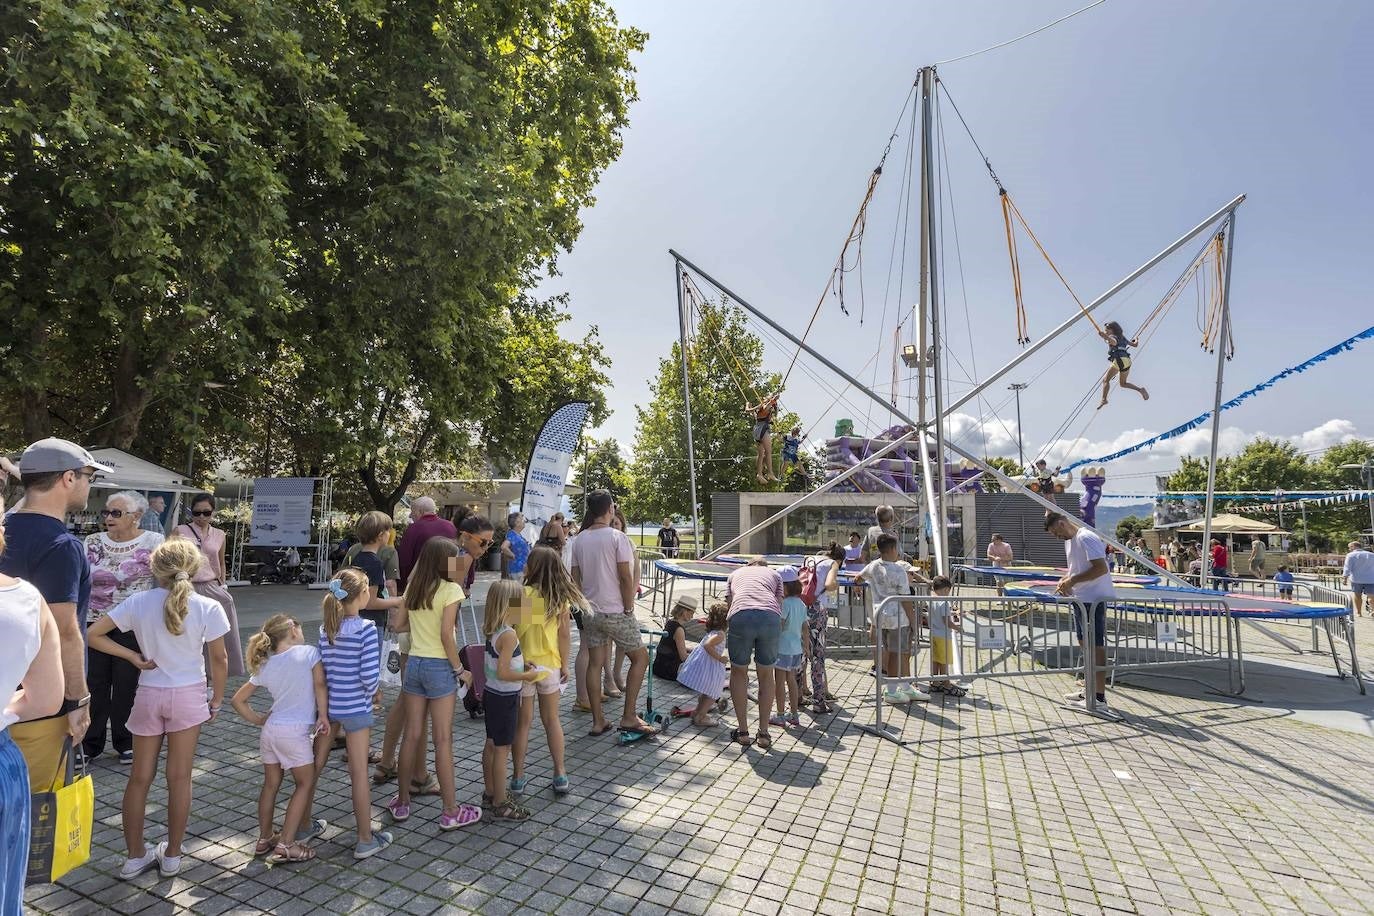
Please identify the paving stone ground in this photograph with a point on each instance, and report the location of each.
(1003, 802)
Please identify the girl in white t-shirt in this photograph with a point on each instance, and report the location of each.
(293, 674)
(173, 625)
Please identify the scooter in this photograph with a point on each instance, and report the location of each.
(655, 718)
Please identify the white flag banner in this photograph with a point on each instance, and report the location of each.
(547, 472)
(281, 511)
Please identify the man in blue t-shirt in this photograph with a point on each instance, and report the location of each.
(39, 549)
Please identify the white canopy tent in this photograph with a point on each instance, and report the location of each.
(134, 473)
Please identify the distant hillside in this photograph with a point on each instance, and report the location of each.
(1108, 516)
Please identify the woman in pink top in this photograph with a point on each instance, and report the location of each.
(209, 581)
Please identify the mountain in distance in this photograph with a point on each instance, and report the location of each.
(1108, 516)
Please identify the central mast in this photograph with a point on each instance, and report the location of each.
(928, 344)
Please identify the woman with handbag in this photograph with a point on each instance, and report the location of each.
(29, 657)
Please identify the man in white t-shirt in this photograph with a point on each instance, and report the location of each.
(603, 567)
(1089, 581)
(1359, 572)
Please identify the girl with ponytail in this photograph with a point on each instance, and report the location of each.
(294, 676)
(350, 649)
(175, 627)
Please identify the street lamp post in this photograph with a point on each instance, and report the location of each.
(1367, 478)
(1018, 387)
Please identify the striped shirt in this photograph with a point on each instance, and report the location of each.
(352, 667)
(517, 664)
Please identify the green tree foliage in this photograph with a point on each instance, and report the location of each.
(1008, 466)
(1266, 465)
(1132, 526)
(725, 368)
(599, 466)
(333, 208)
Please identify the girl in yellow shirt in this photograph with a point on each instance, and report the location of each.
(543, 626)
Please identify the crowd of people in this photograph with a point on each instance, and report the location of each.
(129, 636)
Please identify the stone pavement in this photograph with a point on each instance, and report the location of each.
(1004, 802)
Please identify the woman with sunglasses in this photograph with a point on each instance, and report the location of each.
(209, 581)
(119, 568)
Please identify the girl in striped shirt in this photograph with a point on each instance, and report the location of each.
(351, 653)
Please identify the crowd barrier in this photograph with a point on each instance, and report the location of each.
(1031, 636)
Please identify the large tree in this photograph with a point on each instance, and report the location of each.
(725, 369)
(329, 207)
(599, 466)
(141, 201)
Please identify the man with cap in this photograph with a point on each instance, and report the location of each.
(39, 549)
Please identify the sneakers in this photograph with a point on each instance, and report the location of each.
(794, 721)
(780, 721)
(896, 697)
(517, 786)
(132, 868)
(399, 812)
(126, 758)
(561, 786)
(465, 815)
(167, 866)
(381, 839)
(912, 692)
(316, 830)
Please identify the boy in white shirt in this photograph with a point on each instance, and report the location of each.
(895, 622)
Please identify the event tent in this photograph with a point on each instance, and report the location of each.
(134, 473)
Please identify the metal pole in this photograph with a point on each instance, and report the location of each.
(932, 307)
(921, 312)
(687, 407)
(887, 405)
(1018, 387)
(1026, 353)
(1367, 478)
(1302, 504)
(1230, 230)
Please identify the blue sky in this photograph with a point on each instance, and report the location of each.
(1115, 132)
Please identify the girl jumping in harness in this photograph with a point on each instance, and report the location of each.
(763, 436)
(1119, 357)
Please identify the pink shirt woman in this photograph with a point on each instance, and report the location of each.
(210, 578)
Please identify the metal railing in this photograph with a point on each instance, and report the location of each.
(1002, 637)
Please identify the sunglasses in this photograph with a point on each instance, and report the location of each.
(482, 542)
(113, 513)
(89, 475)
(203, 513)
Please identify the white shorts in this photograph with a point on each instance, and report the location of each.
(288, 746)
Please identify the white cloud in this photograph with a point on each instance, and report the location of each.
(1001, 440)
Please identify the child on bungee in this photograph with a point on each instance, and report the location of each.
(1119, 359)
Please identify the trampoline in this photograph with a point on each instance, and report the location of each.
(774, 559)
(713, 571)
(1025, 573)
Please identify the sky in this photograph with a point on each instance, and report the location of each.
(757, 127)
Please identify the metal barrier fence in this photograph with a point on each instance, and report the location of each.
(1007, 636)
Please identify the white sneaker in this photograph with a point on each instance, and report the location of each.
(132, 868)
(916, 693)
(897, 697)
(167, 866)
(1075, 696)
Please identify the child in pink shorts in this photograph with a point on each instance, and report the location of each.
(294, 676)
(174, 626)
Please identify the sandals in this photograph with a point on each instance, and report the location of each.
(579, 706)
(954, 690)
(266, 845)
(429, 787)
(598, 732)
(741, 737)
(763, 740)
(508, 810)
(383, 774)
(295, 852)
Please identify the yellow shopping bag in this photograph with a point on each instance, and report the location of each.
(62, 819)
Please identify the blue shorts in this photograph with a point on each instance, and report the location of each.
(430, 678)
(15, 812)
(1099, 614)
(753, 636)
(353, 724)
(1362, 588)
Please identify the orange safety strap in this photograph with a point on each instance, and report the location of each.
(1008, 202)
(1022, 334)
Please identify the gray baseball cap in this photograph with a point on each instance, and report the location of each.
(47, 456)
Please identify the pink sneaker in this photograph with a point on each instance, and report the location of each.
(465, 815)
(399, 812)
